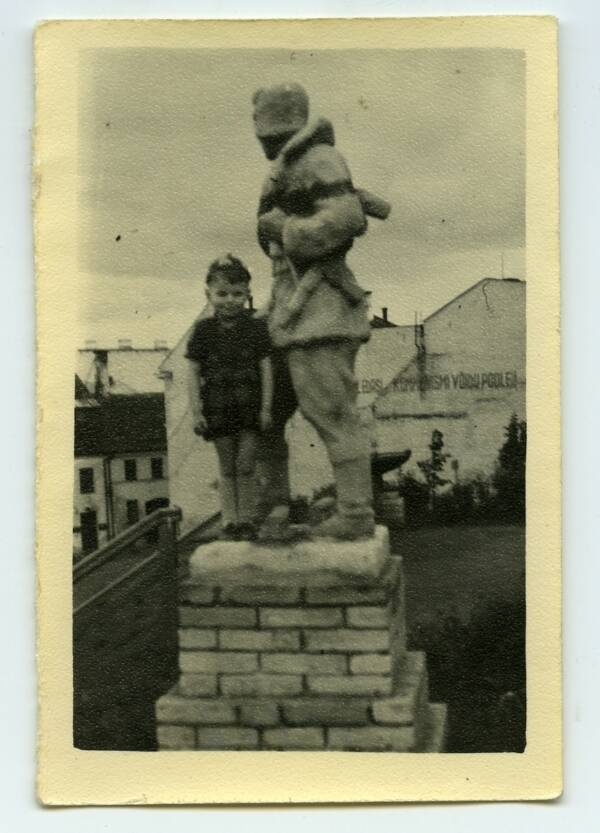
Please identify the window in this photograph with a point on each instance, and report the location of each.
(130, 469)
(133, 512)
(156, 465)
(86, 481)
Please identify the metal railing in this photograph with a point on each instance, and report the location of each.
(165, 520)
(125, 633)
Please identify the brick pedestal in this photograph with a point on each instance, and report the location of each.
(297, 647)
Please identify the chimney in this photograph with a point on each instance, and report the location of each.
(160, 344)
(102, 381)
(384, 313)
(90, 344)
(125, 344)
(251, 302)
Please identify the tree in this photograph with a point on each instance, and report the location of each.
(509, 476)
(432, 467)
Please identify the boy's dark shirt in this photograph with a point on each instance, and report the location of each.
(229, 360)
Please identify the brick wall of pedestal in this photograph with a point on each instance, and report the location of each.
(298, 667)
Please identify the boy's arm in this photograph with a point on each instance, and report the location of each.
(195, 397)
(266, 384)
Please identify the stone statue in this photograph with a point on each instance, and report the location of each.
(309, 214)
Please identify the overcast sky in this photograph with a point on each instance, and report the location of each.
(169, 165)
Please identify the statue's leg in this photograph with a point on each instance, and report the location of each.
(272, 472)
(273, 455)
(326, 388)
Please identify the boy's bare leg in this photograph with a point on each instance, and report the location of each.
(245, 476)
(226, 452)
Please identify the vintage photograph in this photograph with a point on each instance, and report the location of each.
(306, 321)
(300, 416)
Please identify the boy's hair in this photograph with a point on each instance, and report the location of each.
(230, 268)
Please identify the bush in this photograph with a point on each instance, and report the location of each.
(456, 506)
(499, 499)
(416, 499)
(477, 667)
(509, 476)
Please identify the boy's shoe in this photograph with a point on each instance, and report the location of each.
(246, 532)
(229, 533)
(345, 527)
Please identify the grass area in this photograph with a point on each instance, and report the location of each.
(465, 606)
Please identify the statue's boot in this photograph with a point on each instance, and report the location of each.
(354, 517)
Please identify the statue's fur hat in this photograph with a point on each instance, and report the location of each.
(282, 108)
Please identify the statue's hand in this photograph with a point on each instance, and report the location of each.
(200, 424)
(270, 225)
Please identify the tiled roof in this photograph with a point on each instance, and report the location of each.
(121, 425)
(377, 322)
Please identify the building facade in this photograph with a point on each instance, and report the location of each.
(121, 466)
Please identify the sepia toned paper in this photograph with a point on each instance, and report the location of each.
(71, 227)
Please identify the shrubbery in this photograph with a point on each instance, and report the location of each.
(497, 499)
(477, 667)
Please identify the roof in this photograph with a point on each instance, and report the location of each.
(121, 425)
(81, 392)
(377, 322)
(471, 289)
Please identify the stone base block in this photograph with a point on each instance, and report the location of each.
(436, 728)
(310, 563)
(404, 722)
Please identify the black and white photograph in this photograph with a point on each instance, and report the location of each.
(300, 414)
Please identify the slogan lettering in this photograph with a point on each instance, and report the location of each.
(443, 381)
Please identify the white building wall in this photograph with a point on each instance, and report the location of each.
(471, 381)
(193, 470)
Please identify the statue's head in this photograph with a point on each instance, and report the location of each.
(279, 112)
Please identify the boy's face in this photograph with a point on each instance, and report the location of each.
(227, 299)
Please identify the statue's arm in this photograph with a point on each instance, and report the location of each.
(337, 216)
(266, 204)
